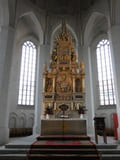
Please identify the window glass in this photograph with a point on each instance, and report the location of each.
(27, 74)
(105, 73)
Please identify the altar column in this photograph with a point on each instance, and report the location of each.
(114, 36)
(73, 84)
(83, 83)
(44, 79)
(53, 84)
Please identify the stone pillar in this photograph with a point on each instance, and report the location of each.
(6, 50)
(89, 92)
(43, 58)
(114, 36)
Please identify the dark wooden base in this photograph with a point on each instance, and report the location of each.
(63, 127)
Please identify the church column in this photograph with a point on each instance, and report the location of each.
(89, 91)
(114, 36)
(6, 49)
(42, 58)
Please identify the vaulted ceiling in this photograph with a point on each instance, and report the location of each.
(64, 6)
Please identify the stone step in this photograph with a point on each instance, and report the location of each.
(109, 151)
(106, 146)
(68, 137)
(63, 157)
(14, 151)
(110, 157)
(25, 151)
(13, 157)
(63, 151)
(98, 146)
(63, 146)
(17, 146)
(19, 152)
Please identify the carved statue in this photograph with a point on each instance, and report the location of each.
(48, 85)
(54, 55)
(82, 67)
(73, 55)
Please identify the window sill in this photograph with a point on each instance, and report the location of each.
(106, 107)
(28, 107)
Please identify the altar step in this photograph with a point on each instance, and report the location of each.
(64, 151)
(62, 157)
(20, 152)
(65, 137)
(63, 147)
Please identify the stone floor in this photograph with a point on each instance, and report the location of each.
(30, 139)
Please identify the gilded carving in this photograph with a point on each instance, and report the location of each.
(64, 82)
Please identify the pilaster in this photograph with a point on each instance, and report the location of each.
(89, 92)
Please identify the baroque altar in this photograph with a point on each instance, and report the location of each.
(63, 82)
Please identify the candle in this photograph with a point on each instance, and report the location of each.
(71, 105)
(54, 106)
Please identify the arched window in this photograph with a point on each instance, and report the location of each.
(27, 74)
(105, 73)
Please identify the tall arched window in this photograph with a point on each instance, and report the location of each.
(27, 74)
(105, 73)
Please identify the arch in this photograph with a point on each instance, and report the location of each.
(97, 40)
(22, 120)
(28, 38)
(57, 29)
(13, 120)
(34, 19)
(30, 121)
(94, 28)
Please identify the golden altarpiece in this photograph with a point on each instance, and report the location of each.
(63, 84)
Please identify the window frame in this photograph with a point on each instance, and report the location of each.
(105, 69)
(36, 50)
